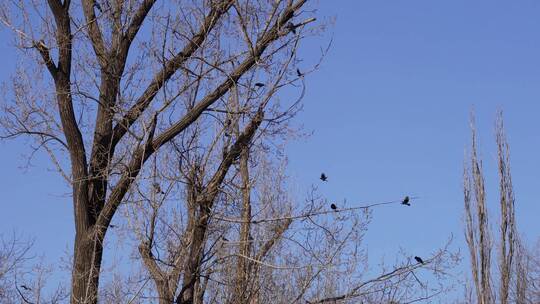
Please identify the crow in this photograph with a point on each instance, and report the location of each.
(259, 84)
(299, 73)
(157, 188)
(98, 7)
(419, 259)
(291, 27)
(113, 226)
(25, 287)
(227, 125)
(323, 177)
(333, 206)
(405, 201)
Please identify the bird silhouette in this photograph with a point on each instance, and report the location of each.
(98, 7)
(419, 259)
(25, 287)
(259, 84)
(405, 201)
(291, 27)
(113, 226)
(157, 188)
(299, 73)
(333, 206)
(227, 125)
(323, 177)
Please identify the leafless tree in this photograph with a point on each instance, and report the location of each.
(477, 231)
(23, 277)
(526, 289)
(170, 114)
(116, 103)
(14, 253)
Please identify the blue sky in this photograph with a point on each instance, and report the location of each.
(389, 109)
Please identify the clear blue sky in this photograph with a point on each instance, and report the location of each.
(389, 109)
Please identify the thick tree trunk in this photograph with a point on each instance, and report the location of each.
(88, 252)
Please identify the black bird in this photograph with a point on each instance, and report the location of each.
(227, 125)
(299, 73)
(113, 226)
(333, 206)
(157, 188)
(405, 201)
(419, 259)
(224, 239)
(291, 27)
(259, 84)
(323, 177)
(25, 287)
(98, 7)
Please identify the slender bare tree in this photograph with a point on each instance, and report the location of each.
(477, 231)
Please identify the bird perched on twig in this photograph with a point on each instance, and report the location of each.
(323, 177)
(333, 207)
(157, 188)
(405, 201)
(227, 126)
(98, 7)
(299, 73)
(25, 287)
(291, 27)
(419, 259)
(259, 84)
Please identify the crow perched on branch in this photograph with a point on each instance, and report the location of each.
(291, 27)
(299, 73)
(323, 177)
(419, 259)
(333, 206)
(227, 126)
(406, 201)
(157, 188)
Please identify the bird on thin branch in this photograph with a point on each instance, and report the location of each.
(291, 27)
(157, 188)
(227, 126)
(300, 74)
(259, 84)
(333, 207)
(405, 201)
(25, 287)
(323, 177)
(419, 259)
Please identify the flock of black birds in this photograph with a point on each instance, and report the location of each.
(406, 201)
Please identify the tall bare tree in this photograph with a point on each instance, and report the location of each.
(129, 77)
(477, 230)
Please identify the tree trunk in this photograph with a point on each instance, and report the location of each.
(88, 251)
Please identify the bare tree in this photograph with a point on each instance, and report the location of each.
(114, 104)
(477, 230)
(14, 254)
